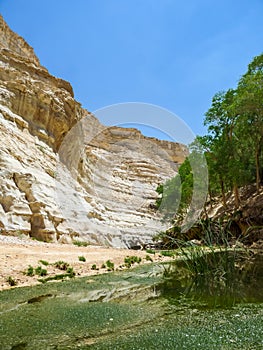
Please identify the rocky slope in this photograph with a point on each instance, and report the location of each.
(244, 222)
(64, 175)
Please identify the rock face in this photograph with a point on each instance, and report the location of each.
(64, 175)
(45, 103)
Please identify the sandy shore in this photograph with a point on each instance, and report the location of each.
(16, 254)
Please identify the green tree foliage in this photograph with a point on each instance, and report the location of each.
(187, 187)
(169, 197)
(233, 146)
(222, 120)
(249, 106)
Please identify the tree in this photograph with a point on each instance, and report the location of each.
(233, 148)
(221, 120)
(249, 106)
(183, 197)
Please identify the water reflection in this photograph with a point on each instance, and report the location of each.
(241, 281)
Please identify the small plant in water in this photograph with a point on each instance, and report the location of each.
(215, 267)
(82, 258)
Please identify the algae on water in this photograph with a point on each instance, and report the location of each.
(140, 308)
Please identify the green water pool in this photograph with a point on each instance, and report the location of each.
(133, 309)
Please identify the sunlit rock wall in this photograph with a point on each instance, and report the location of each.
(64, 176)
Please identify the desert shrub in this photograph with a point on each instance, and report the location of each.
(80, 244)
(110, 265)
(61, 265)
(30, 271)
(150, 251)
(167, 253)
(82, 258)
(148, 258)
(44, 262)
(40, 272)
(130, 260)
(70, 271)
(69, 274)
(11, 281)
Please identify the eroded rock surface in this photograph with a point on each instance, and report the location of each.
(64, 175)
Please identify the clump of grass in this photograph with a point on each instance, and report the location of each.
(53, 278)
(216, 259)
(61, 265)
(130, 260)
(169, 253)
(82, 258)
(29, 271)
(103, 266)
(110, 265)
(80, 243)
(40, 271)
(148, 258)
(44, 262)
(150, 251)
(11, 281)
(94, 267)
(70, 272)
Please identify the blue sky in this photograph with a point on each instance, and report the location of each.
(174, 54)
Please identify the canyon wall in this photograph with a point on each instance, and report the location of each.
(65, 176)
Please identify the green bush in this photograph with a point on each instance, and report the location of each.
(130, 260)
(40, 272)
(82, 258)
(167, 253)
(61, 265)
(94, 267)
(30, 271)
(44, 262)
(71, 273)
(109, 265)
(150, 251)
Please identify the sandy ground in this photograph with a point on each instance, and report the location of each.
(16, 254)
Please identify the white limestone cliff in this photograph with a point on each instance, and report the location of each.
(64, 175)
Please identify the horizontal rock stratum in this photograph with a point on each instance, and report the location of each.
(65, 176)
